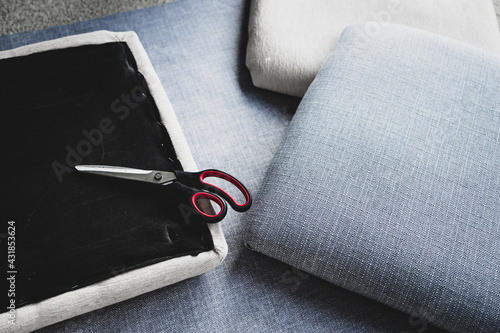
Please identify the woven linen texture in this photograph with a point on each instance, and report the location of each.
(387, 181)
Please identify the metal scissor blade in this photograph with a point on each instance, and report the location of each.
(148, 176)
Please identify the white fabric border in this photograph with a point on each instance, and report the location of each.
(142, 280)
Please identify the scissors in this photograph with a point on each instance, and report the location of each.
(200, 189)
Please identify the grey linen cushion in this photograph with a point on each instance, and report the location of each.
(387, 182)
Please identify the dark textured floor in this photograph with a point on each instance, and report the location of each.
(26, 15)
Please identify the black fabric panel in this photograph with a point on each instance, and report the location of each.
(85, 105)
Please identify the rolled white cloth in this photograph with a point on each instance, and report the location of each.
(290, 39)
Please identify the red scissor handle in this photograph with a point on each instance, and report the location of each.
(198, 180)
(205, 210)
(239, 207)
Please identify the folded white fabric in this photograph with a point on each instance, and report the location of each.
(290, 39)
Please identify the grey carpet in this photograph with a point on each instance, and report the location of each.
(26, 15)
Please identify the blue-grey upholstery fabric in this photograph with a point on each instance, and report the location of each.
(198, 50)
(387, 182)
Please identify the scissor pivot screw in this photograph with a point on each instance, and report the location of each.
(157, 176)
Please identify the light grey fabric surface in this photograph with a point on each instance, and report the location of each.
(290, 39)
(387, 182)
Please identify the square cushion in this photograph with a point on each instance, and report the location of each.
(387, 182)
(80, 242)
